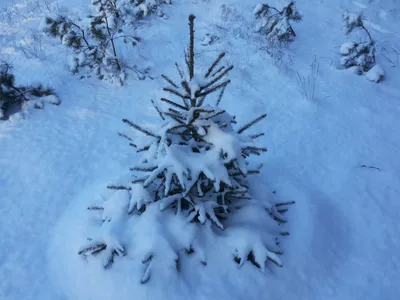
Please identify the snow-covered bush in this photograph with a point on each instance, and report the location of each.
(93, 40)
(14, 98)
(195, 167)
(276, 24)
(359, 55)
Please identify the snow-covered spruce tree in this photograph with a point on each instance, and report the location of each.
(359, 55)
(13, 98)
(195, 167)
(276, 24)
(93, 40)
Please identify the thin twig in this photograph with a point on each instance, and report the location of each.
(137, 127)
(173, 104)
(158, 110)
(248, 125)
(170, 81)
(370, 167)
(214, 64)
(213, 89)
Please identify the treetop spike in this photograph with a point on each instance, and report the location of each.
(191, 46)
(191, 17)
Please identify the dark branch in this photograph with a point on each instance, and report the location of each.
(214, 64)
(118, 187)
(176, 93)
(139, 169)
(255, 136)
(217, 78)
(125, 136)
(169, 81)
(174, 104)
(213, 89)
(248, 125)
(137, 127)
(157, 109)
(221, 94)
(179, 70)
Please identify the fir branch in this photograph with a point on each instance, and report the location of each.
(174, 104)
(253, 172)
(93, 248)
(109, 259)
(221, 94)
(7, 67)
(169, 81)
(274, 262)
(143, 149)
(186, 87)
(185, 133)
(137, 127)
(219, 70)
(82, 31)
(213, 89)
(176, 93)
(217, 78)
(182, 126)
(278, 219)
(140, 169)
(118, 187)
(158, 110)
(370, 167)
(178, 113)
(201, 101)
(214, 64)
(248, 125)
(175, 117)
(203, 110)
(256, 136)
(367, 31)
(139, 180)
(255, 149)
(22, 94)
(95, 208)
(179, 71)
(252, 259)
(125, 136)
(285, 203)
(215, 114)
(147, 273)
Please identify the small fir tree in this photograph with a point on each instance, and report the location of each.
(196, 167)
(13, 98)
(276, 24)
(360, 55)
(94, 46)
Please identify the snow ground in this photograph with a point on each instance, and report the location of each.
(345, 230)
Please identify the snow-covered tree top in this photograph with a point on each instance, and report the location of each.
(352, 21)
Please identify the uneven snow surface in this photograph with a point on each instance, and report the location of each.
(337, 156)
